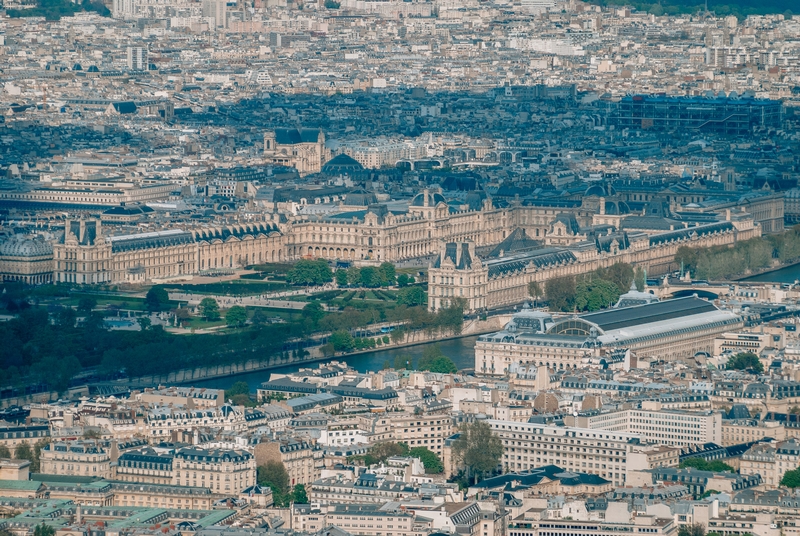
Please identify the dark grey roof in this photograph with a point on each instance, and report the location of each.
(462, 262)
(652, 312)
(292, 136)
(686, 234)
(516, 242)
(539, 258)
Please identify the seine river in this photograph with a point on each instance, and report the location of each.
(461, 351)
(789, 274)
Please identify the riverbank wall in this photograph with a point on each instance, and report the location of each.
(188, 376)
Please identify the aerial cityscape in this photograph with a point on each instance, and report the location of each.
(399, 268)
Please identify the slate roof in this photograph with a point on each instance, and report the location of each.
(293, 136)
(652, 312)
(451, 252)
(686, 234)
(516, 242)
(539, 258)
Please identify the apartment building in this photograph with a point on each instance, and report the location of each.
(358, 519)
(144, 465)
(562, 527)
(736, 432)
(221, 470)
(224, 471)
(11, 435)
(771, 461)
(77, 458)
(427, 431)
(657, 425)
(302, 459)
(161, 421)
(367, 488)
(531, 445)
(163, 496)
(183, 396)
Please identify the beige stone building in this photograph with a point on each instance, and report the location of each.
(502, 278)
(747, 431)
(303, 149)
(302, 459)
(220, 470)
(86, 255)
(357, 519)
(531, 445)
(26, 258)
(427, 431)
(76, 458)
(771, 461)
(11, 469)
(190, 397)
(657, 425)
(668, 330)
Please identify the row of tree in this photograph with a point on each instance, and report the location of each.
(723, 262)
(368, 276)
(589, 292)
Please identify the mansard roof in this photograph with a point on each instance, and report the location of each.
(464, 262)
(686, 234)
(157, 239)
(539, 258)
(517, 241)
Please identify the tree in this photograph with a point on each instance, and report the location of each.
(791, 479)
(85, 305)
(620, 274)
(385, 450)
(156, 298)
(236, 316)
(259, 316)
(353, 276)
(411, 296)
(696, 529)
(402, 362)
(433, 360)
(433, 465)
(745, 361)
(388, 273)
(238, 388)
(44, 530)
(299, 494)
(639, 279)
(370, 277)
(595, 294)
(314, 312)
(273, 474)
(341, 278)
(560, 293)
(342, 341)
(402, 280)
(25, 452)
(144, 322)
(478, 448)
(308, 272)
(332, 4)
(4, 452)
(92, 434)
(716, 466)
(209, 308)
(535, 290)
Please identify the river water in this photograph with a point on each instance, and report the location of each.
(461, 351)
(789, 274)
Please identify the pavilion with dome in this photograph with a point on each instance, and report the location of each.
(26, 258)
